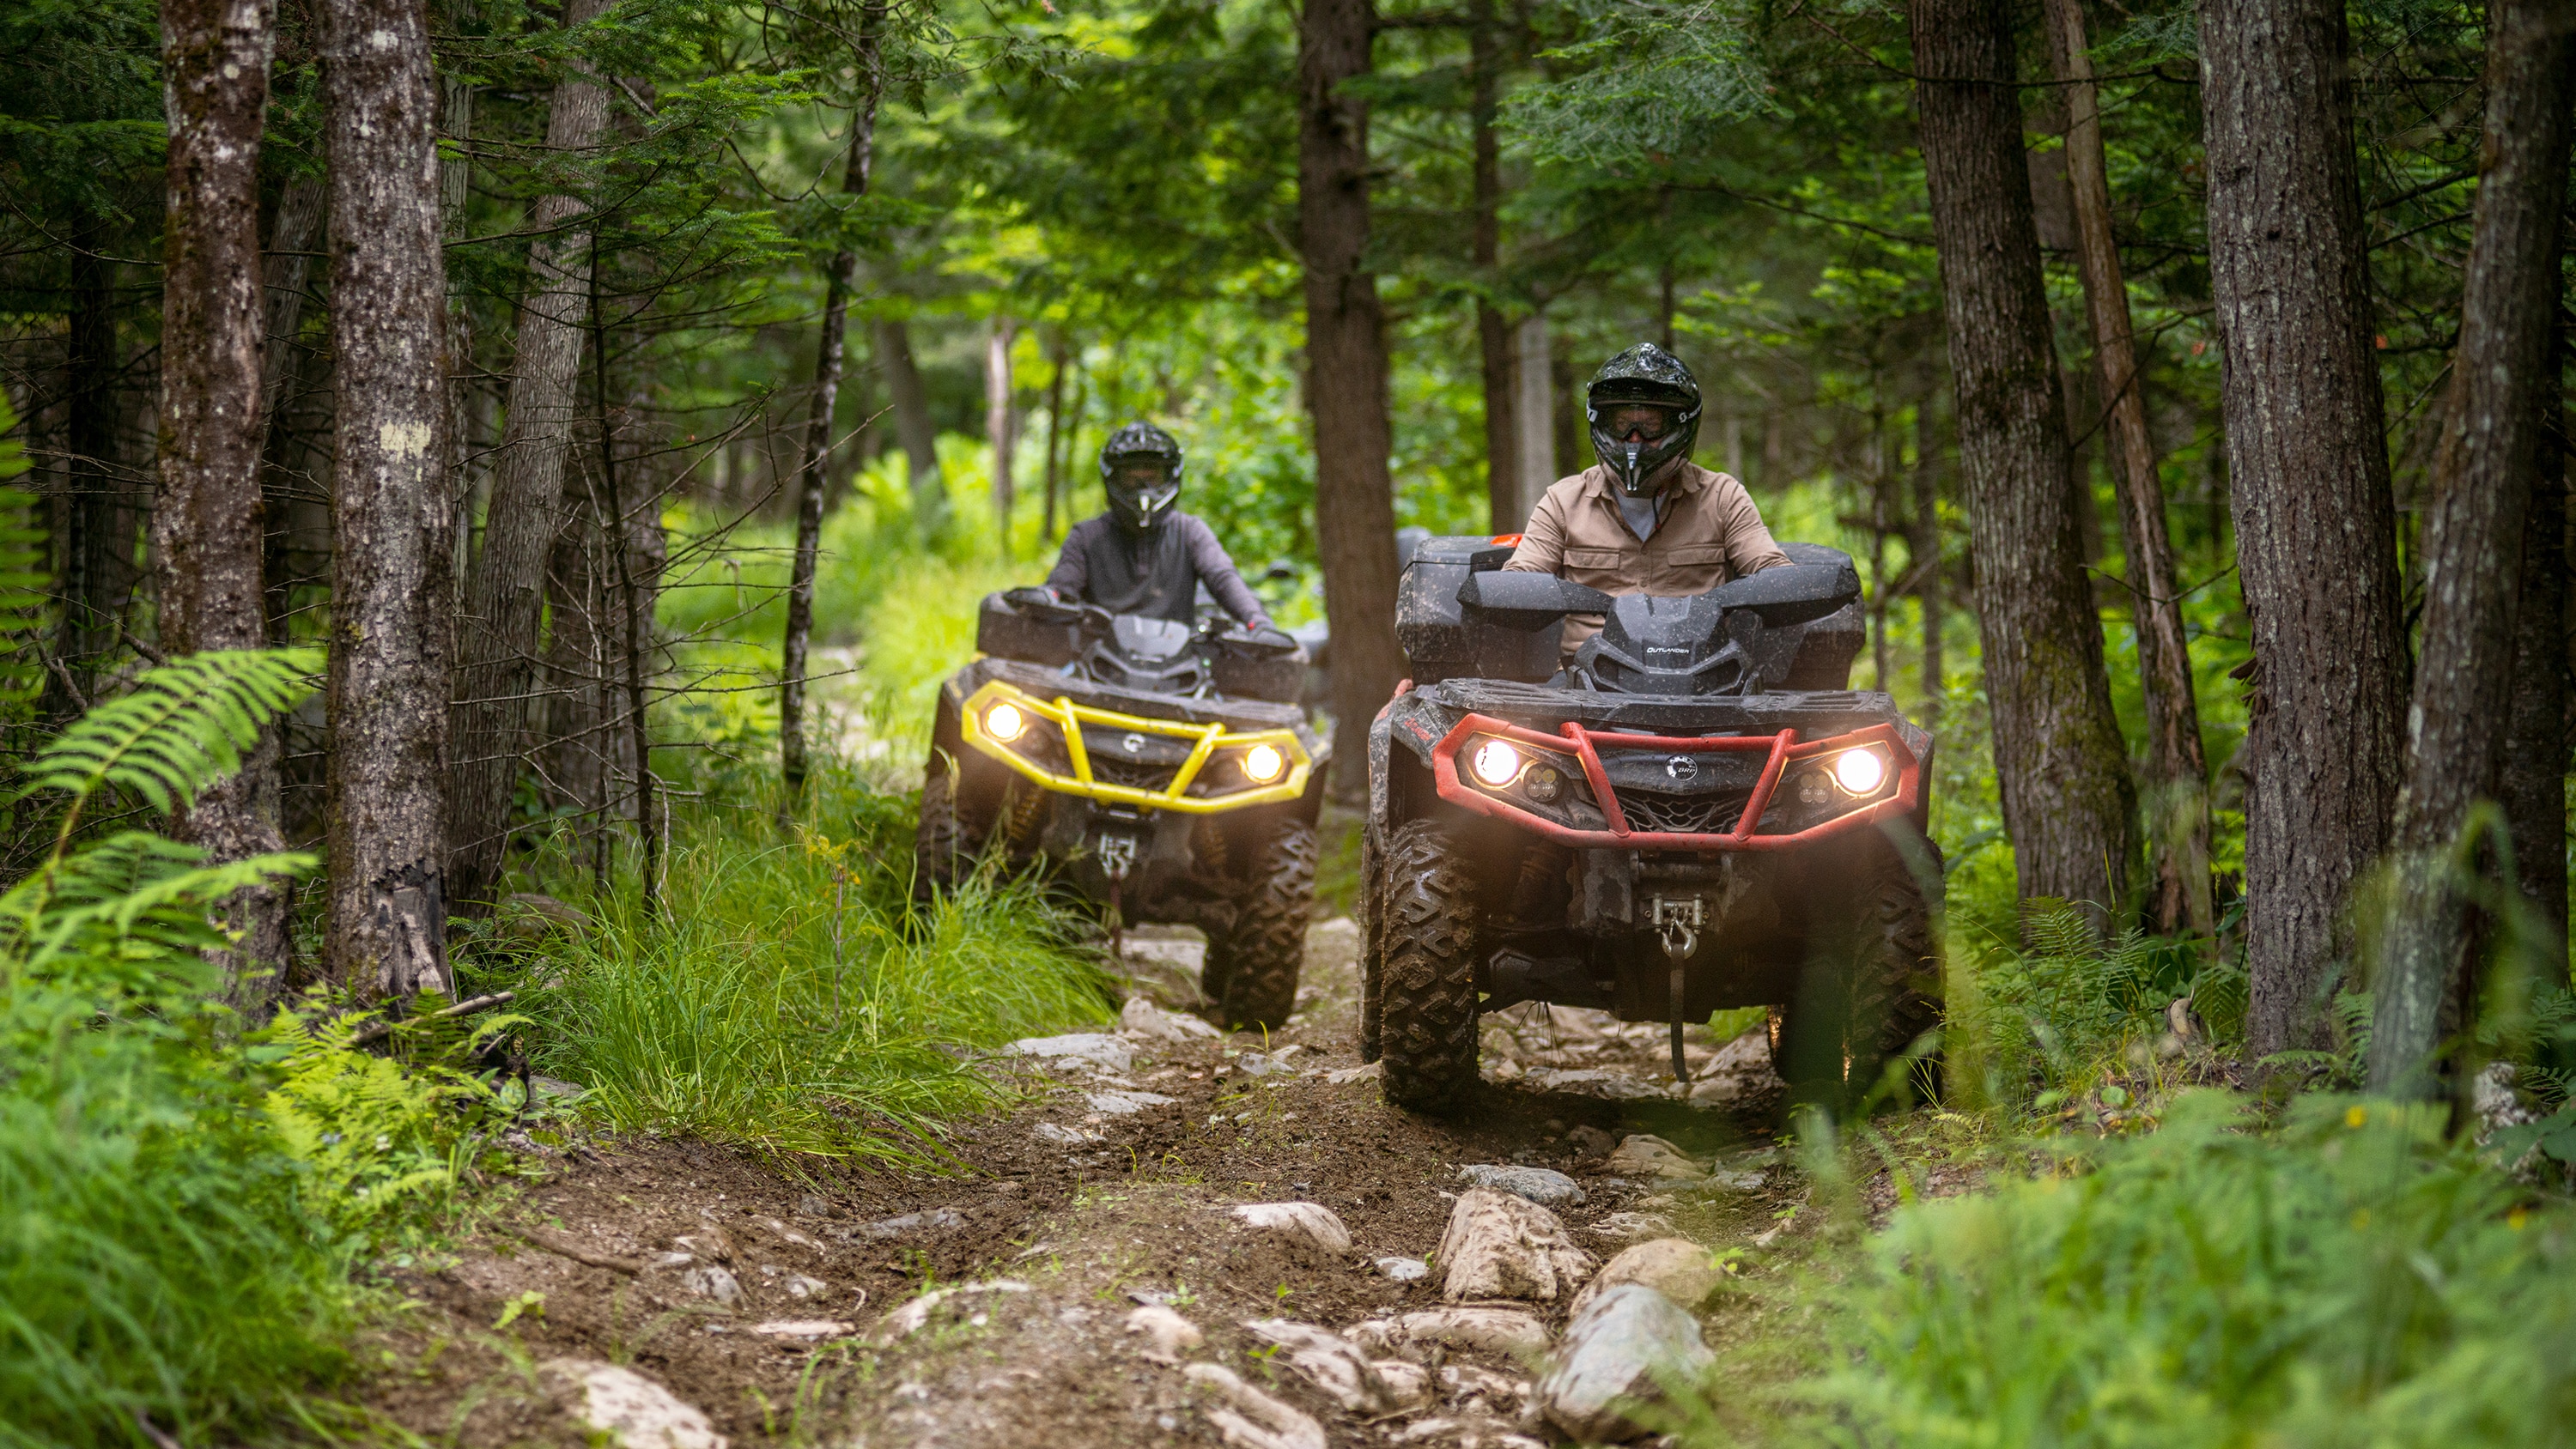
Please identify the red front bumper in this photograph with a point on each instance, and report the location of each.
(1780, 751)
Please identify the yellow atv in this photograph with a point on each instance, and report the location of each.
(1163, 771)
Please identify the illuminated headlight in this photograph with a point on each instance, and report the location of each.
(1263, 764)
(1006, 722)
(1495, 762)
(1860, 771)
(1544, 784)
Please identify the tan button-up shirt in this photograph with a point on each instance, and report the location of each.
(1707, 531)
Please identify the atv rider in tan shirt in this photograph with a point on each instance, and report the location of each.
(1645, 519)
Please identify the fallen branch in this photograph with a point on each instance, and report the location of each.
(563, 1247)
(378, 1030)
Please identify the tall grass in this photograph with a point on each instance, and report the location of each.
(2352, 1279)
(790, 997)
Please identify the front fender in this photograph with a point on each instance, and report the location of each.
(1400, 741)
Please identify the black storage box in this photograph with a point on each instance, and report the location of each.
(1435, 633)
(1278, 678)
(1005, 633)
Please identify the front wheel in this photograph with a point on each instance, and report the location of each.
(1428, 925)
(1871, 990)
(1252, 964)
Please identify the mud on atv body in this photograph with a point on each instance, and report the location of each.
(1695, 814)
(1161, 772)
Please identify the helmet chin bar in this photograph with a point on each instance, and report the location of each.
(1631, 481)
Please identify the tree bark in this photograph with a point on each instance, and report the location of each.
(2490, 458)
(505, 584)
(830, 348)
(1493, 334)
(1059, 357)
(98, 546)
(2535, 762)
(390, 597)
(1923, 541)
(206, 529)
(2308, 476)
(2177, 771)
(285, 273)
(2067, 798)
(913, 428)
(635, 616)
(1346, 377)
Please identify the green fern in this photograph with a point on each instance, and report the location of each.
(184, 727)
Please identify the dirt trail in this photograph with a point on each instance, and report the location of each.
(672, 1259)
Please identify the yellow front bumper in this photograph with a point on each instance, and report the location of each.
(1068, 718)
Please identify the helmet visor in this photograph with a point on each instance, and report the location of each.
(1645, 422)
(1139, 472)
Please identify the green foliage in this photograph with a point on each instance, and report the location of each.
(1643, 78)
(2353, 1279)
(2047, 1014)
(183, 727)
(178, 1205)
(791, 998)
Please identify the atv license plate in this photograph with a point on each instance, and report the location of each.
(1117, 855)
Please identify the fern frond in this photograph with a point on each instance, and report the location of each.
(183, 728)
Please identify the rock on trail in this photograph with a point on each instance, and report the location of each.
(627, 1408)
(1612, 1352)
(1501, 1246)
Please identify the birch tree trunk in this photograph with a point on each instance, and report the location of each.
(1346, 377)
(2067, 798)
(2308, 484)
(206, 529)
(2177, 774)
(503, 610)
(810, 480)
(390, 599)
(2489, 461)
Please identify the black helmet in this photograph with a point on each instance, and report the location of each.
(1644, 373)
(1140, 467)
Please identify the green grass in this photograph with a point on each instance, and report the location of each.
(2352, 1278)
(791, 998)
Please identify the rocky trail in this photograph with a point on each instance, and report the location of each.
(1179, 1238)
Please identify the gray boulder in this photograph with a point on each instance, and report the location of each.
(1609, 1359)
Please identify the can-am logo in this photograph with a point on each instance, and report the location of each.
(1682, 768)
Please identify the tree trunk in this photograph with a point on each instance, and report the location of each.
(1058, 359)
(390, 600)
(997, 422)
(1493, 334)
(1538, 452)
(913, 427)
(505, 585)
(285, 273)
(2177, 773)
(2308, 475)
(830, 348)
(1923, 540)
(2490, 457)
(2535, 762)
(215, 62)
(98, 546)
(2067, 799)
(1346, 377)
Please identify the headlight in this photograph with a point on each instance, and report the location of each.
(1495, 762)
(1860, 771)
(1006, 722)
(1263, 764)
(1544, 784)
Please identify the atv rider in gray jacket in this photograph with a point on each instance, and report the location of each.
(1144, 556)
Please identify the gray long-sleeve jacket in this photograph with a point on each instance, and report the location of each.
(1157, 576)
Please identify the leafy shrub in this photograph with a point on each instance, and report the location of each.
(2352, 1279)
